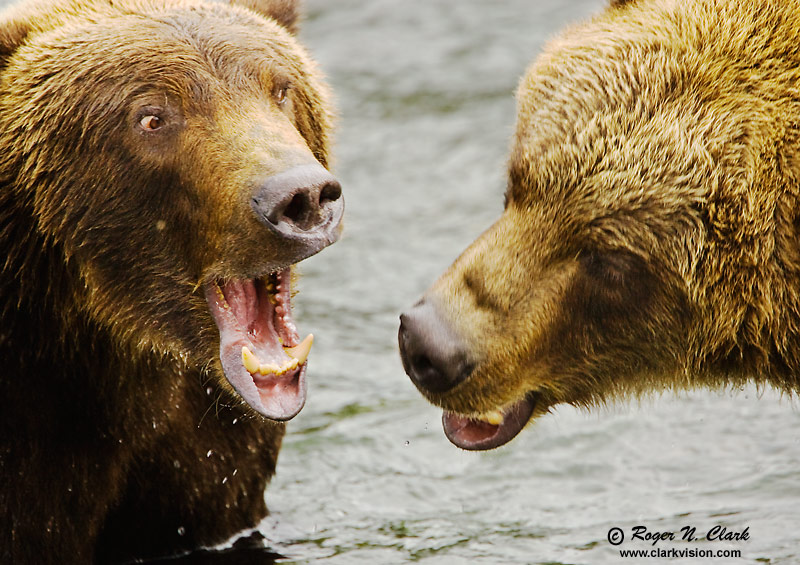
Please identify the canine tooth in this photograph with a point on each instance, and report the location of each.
(300, 352)
(495, 417)
(251, 362)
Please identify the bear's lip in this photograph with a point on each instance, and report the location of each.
(256, 337)
(487, 431)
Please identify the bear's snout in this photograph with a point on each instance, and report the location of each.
(433, 355)
(303, 204)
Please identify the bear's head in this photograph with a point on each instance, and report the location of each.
(171, 158)
(648, 239)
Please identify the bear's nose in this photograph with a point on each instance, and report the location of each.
(304, 203)
(433, 355)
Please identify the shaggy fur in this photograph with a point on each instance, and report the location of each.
(650, 234)
(119, 436)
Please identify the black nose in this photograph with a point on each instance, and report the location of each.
(303, 203)
(433, 355)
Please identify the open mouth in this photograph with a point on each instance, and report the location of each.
(489, 430)
(260, 350)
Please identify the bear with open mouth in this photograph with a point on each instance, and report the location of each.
(650, 234)
(163, 165)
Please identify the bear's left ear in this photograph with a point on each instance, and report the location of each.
(285, 12)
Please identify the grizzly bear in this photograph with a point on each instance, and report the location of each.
(650, 238)
(162, 167)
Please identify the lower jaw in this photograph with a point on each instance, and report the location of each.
(489, 432)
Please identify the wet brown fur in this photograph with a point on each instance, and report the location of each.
(120, 437)
(650, 237)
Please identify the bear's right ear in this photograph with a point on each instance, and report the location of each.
(13, 33)
(285, 12)
(619, 3)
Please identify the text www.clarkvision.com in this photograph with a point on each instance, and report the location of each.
(672, 553)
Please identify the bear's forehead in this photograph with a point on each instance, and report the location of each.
(607, 135)
(184, 43)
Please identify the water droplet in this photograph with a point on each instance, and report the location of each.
(209, 390)
(408, 442)
(210, 451)
(235, 420)
(225, 480)
(181, 531)
(235, 471)
(176, 464)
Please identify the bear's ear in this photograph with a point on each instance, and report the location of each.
(285, 12)
(619, 3)
(12, 34)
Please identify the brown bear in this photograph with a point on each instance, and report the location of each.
(650, 238)
(162, 167)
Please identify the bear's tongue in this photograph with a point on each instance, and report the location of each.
(489, 431)
(258, 343)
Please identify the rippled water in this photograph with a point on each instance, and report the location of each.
(425, 93)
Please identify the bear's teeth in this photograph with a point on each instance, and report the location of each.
(268, 368)
(272, 292)
(300, 352)
(221, 296)
(250, 361)
(495, 417)
(254, 365)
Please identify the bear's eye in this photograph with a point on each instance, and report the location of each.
(281, 94)
(151, 123)
(616, 281)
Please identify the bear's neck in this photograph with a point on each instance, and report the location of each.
(47, 343)
(37, 294)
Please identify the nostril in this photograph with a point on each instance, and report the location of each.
(331, 192)
(298, 210)
(422, 364)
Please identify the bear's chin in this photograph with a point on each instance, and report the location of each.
(260, 351)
